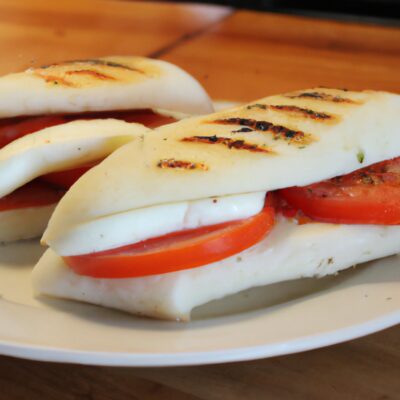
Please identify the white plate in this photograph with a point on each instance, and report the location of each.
(262, 322)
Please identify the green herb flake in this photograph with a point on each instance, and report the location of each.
(360, 156)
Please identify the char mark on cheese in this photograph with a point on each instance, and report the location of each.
(92, 73)
(299, 111)
(321, 96)
(278, 131)
(171, 163)
(243, 130)
(238, 144)
(56, 80)
(112, 64)
(327, 87)
(104, 63)
(257, 105)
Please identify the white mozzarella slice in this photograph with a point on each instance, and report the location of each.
(24, 223)
(62, 147)
(137, 225)
(291, 251)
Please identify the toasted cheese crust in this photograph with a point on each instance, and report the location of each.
(291, 139)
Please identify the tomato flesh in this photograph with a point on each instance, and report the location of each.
(176, 251)
(14, 128)
(33, 194)
(65, 179)
(146, 117)
(370, 195)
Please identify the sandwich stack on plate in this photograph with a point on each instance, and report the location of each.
(302, 184)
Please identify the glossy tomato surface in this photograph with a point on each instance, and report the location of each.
(33, 194)
(14, 128)
(176, 251)
(370, 195)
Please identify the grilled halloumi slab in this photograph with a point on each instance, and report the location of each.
(276, 142)
(81, 86)
(62, 147)
(101, 84)
(53, 149)
(280, 141)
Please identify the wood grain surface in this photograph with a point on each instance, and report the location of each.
(250, 55)
(239, 56)
(363, 369)
(37, 32)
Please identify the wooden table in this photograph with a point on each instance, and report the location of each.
(236, 55)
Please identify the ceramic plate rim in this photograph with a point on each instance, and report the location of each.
(306, 343)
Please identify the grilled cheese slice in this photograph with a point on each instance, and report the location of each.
(293, 139)
(82, 86)
(101, 84)
(287, 140)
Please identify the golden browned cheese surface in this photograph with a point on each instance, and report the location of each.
(95, 72)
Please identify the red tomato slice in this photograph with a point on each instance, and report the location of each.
(65, 179)
(14, 128)
(370, 195)
(33, 194)
(281, 206)
(146, 117)
(176, 251)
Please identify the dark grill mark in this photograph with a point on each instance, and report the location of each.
(241, 130)
(89, 72)
(56, 80)
(257, 105)
(327, 87)
(305, 112)
(278, 131)
(179, 164)
(95, 62)
(110, 64)
(321, 96)
(238, 144)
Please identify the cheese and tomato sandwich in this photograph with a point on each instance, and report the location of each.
(59, 120)
(302, 184)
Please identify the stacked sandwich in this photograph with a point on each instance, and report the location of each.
(296, 185)
(58, 121)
